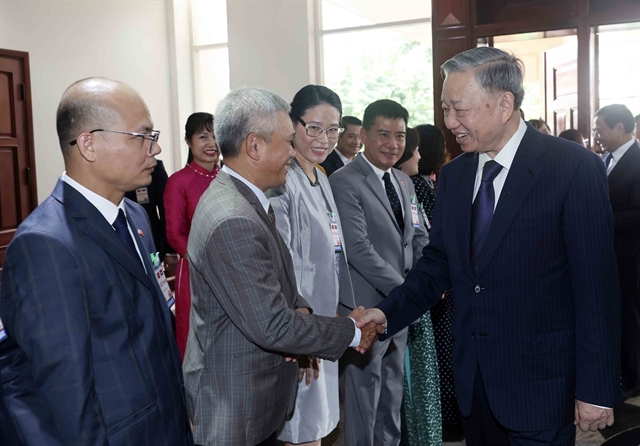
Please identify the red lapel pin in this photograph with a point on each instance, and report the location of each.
(140, 233)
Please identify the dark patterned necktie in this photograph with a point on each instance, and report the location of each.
(272, 220)
(483, 207)
(392, 195)
(120, 225)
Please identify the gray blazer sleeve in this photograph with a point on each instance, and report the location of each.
(242, 275)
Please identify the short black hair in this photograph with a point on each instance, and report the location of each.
(615, 113)
(572, 135)
(79, 113)
(431, 149)
(350, 120)
(312, 95)
(412, 142)
(197, 122)
(386, 108)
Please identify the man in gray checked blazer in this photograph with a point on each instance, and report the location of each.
(384, 235)
(244, 324)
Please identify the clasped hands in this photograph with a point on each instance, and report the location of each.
(371, 323)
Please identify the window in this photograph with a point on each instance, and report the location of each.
(210, 53)
(619, 65)
(378, 50)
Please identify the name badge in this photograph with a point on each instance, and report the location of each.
(142, 195)
(3, 333)
(415, 221)
(335, 232)
(426, 219)
(158, 271)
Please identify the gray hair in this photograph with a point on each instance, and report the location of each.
(495, 70)
(246, 111)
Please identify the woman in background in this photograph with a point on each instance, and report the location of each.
(308, 221)
(573, 135)
(540, 126)
(432, 155)
(181, 196)
(422, 422)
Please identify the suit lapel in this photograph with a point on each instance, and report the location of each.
(406, 203)
(464, 210)
(255, 202)
(621, 168)
(373, 182)
(93, 224)
(520, 180)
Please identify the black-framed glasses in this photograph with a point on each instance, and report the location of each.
(151, 137)
(314, 131)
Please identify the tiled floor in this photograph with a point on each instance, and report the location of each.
(627, 416)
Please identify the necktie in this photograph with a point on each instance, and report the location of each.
(120, 225)
(483, 210)
(607, 160)
(392, 195)
(272, 220)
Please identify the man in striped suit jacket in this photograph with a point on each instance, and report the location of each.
(244, 322)
(80, 297)
(536, 319)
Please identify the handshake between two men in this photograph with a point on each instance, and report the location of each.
(371, 322)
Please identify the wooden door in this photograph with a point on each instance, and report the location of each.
(561, 79)
(18, 195)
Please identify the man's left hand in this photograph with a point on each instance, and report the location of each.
(592, 418)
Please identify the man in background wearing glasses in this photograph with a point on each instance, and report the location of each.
(84, 298)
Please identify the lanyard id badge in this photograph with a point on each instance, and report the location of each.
(426, 219)
(158, 271)
(3, 333)
(335, 233)
(415, 221)
(142, 195)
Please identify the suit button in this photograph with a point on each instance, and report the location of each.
(406, 244)
(473, 335)
(477, 289)
(406, 271)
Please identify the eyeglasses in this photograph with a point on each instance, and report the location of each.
(314, 131)
(151, 137)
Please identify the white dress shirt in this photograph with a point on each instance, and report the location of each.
(379, 173)
(108, 210)
(344, 159)
(264, 201)
(617, 154)
(504, 158)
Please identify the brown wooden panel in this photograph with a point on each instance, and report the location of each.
(7, 125)
(566, 80)
(9, 211)
(560, 121)
(450, 14)
(502, 11)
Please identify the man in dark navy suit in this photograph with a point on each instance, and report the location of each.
(348, 146)
(613, 131)
(87, 321)
(523, 234)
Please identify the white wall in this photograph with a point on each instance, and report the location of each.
(271, 45)
(71, 40)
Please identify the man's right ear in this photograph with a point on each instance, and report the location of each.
(253, 146)
(85, 146)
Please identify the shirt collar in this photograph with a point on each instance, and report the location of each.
(344, 159)
(379, 172)
(108, 210)
(507, 154)
(264, 201)
(620, 151)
